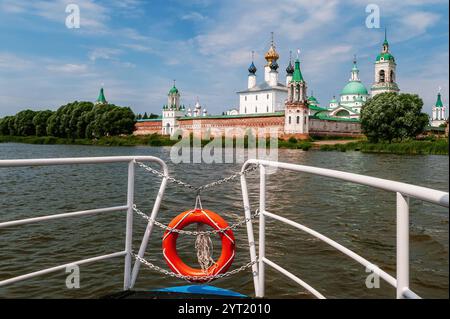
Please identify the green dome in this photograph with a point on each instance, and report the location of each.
(173, 90)
(354, 88)
(312, 98)
(387, 56)
(333, 101)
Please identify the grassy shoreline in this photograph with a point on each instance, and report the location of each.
(427, 147)
(436, 147)
(132, 140)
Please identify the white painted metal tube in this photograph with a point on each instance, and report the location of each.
(388, 278)
(79, 160)
(148, 230)
(402, 245)
(65, 215)
(294, 278)
(408, 294)
(262, 230)
(60, 267)
(129, 227)
(423, 193)
(250, 234)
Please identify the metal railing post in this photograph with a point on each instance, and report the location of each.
(129, 226)
(262, 230)
(402, 244)
(149, 229)
(250, 233)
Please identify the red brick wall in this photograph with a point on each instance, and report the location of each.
(147, 128)
(258, 126)
(234, 126)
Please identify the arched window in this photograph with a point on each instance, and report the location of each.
(246, 98)
(342, 113)
(382, 76)
(289, 120)
(245, 111)
(267, 109)
(298, 119)
(256, 109)
(392, 79)
(256, 97)
(267, 96)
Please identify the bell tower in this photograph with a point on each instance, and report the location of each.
(172, 111)
(385, 71)
(296, 114)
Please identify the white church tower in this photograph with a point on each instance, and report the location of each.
(296, 113)
(438, 116)
(385, 71)
(172, 111)
(289, 70)
(252, 73)
(268, 96)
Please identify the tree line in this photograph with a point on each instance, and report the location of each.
(145, 116)
(73, 120)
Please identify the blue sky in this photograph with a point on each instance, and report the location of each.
(136, 48)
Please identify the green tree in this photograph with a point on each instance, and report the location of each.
(23, 123)
(40, 122)
(7, 126)
(392, 116)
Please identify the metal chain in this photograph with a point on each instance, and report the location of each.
(200, 188)
(195, 233)
(193, 278)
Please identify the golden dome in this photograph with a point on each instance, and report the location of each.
(271, 55)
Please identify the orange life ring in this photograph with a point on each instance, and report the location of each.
(202, 216)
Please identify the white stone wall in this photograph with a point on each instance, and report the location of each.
(296, 121)
(169, 121)
(261, 102)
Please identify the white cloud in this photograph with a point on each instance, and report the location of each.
(104, 53)
(93, 16)
(193, 16)
(417, 23)
(69, 68)
(12, 62)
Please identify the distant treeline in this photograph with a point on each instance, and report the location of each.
(146, 117)
(75, 120)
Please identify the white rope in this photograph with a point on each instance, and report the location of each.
(204, 248)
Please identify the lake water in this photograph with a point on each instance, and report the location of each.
(361, 218)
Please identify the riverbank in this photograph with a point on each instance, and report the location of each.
(132, 140)
(430, 147)
(129, 140)
(424, 147)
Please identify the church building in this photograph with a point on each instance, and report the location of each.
(269, 95)
(282, 106)
(438, 116)
(385, 71)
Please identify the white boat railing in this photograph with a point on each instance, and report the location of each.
(128, 207)
(403, 191)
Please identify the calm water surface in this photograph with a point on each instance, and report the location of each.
(361, 218)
